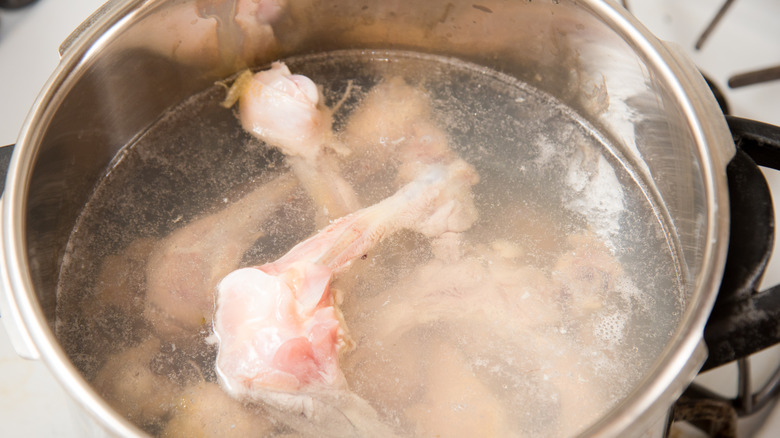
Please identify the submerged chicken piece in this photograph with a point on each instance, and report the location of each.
(120, 281)
(184, 268)
(204, 410)
(456, 402)
(588, 273)
(285, 111)
(393, 128)
(113, 309)
(389, 374)
(278, 327)
(484, 284)
(326, 413)
(277, 324)
(585, 288)
(127, 383)
(384, 119)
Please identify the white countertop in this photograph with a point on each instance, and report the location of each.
(31, 401)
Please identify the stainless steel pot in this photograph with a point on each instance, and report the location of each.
(133, 59)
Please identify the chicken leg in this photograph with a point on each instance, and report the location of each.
(184, 268)
(284, 110)
(278, 327)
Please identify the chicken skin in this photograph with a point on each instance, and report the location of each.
(277, 323)
(285, 111)
(184, 268)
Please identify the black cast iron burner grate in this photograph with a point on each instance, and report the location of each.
(738, 80)
(743, 320)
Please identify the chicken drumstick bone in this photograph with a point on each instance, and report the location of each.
(285, 111)
(277, 324)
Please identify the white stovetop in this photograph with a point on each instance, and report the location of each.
(32, 402)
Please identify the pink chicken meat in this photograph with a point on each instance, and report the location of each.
(277, 324)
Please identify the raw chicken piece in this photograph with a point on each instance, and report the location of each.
(204, 410)
(494, 284)
(427, 144)
(484, 284)
(389, 374)
(392, 131)
(272, 337)
(284, 110)
(185, 267)
(457, 403)
(392, 127)
(120, 283)
(278, 328)
(280, 316)
(490, 289)
(128, 384)
(384, 120)
(588, 273)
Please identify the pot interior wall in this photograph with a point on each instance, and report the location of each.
(166, 51)
(134, 73)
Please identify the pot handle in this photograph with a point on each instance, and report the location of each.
(105, 9)
(744, 320)
(5, 160)
(9, 312)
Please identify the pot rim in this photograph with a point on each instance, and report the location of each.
(666, 380)
(681, 359)
(74, 53)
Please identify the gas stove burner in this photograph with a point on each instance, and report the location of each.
(755, 77)
(708, 411)
(719, 96)
(713, 417)
(711, 26)
(742, 79)
(738, 80)
(717, 415)
(742, 317)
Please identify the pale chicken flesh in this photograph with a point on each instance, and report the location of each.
(184, 268)
(299, 354)
(277, 325)
(285, 111)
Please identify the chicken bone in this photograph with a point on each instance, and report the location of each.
(285, 111)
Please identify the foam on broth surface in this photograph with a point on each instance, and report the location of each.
(561, 296)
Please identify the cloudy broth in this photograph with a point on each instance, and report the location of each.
(534, 322)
